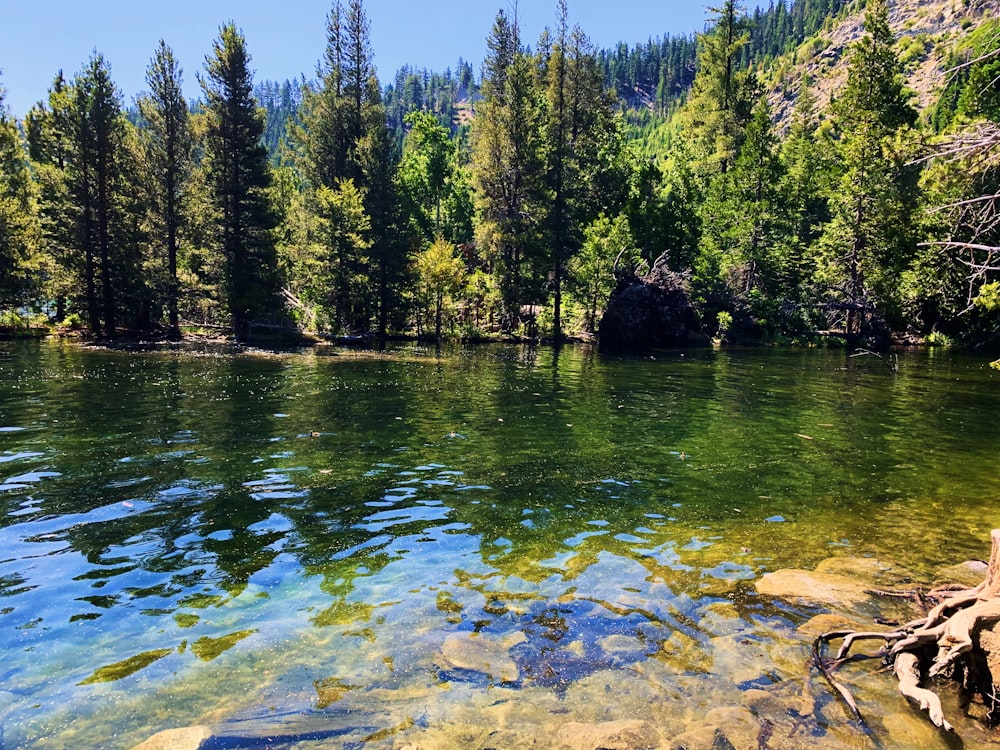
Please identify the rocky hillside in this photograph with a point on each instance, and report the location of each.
(928, 31)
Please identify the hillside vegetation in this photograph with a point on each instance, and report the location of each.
(929, 34)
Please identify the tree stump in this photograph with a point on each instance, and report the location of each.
(959, 638)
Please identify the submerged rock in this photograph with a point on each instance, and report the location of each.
(621, 644)
(814, 587)
(486, 654)
(825, 623)
(608, 735)
(185, 738)
(722, 729)
(866, 569)
(969, 573)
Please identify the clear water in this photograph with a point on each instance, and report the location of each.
(285, 548)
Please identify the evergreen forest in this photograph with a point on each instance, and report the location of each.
(510, 200)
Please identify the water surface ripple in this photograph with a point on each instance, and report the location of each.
(475, 549)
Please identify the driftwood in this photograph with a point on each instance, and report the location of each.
(944, 643)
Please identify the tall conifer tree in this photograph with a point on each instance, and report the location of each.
(237, 163)
(868, 242)
(18, 224)
(343, 150)
(508, 168)
(49, 134)
(98, 128)
(168, 144)
(723, 93)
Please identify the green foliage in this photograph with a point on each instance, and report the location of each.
(607, 242)
(440, 273)
(341, 135)
(73, 322)
(913, 49)
(508, 162)
(424, 171)
(988, 297)
(936, 338)
(281, 103)
(19, 228)
(91, 197)
(442, 95)
(22, 323)
(168, 146)
(868, 243)
(660, 71)
(723, 94)
(239, 177)
(327, 255)
(364, 209)
(586, 164)
(980, 96)
(724, 321)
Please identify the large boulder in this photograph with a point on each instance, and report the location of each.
(650, 312)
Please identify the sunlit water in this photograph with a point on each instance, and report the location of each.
(472, 550)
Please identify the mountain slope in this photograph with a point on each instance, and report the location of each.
(928, 32)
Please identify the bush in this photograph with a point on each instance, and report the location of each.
(21, 320)
(936, 338)
(73, 322)
(725, 320)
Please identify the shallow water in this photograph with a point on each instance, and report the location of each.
(348, 550)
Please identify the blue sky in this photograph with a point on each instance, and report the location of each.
(40, 37)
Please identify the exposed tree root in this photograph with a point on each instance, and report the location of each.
(947, 639)
(907, 671)
(826, 669)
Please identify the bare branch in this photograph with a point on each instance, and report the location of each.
(966, 245)
(971, 201)
(969, 63)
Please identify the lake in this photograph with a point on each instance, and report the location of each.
(484, 548)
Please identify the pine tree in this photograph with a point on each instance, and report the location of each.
(237, 164)
(360, 82)
(508, 170)
(98, 131)
(586, 169)
(342, 135)
(18, 223)
(327, 131)
(336, 115)
(723, 94)
(809, 171)
(49, 133)
(759, 217)
(867, 242)
(379, 162)
(559, 132)
(168, 150)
